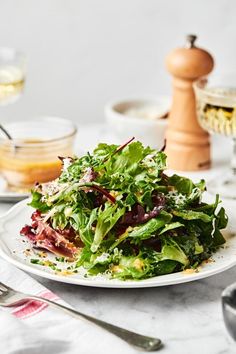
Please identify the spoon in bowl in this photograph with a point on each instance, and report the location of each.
(9, 137)
(5, 132)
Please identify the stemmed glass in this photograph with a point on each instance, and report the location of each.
(216, 111)
(12, 77)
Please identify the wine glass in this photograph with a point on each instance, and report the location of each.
(12, 75)
(12, 79)
(216, 112)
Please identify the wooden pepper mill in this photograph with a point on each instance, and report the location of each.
(188, 145)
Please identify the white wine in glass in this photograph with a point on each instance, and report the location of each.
(12, 75)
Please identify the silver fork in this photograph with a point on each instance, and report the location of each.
(10, 297)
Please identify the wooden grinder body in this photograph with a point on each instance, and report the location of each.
(188, 145)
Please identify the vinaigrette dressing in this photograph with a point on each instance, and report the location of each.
(30, 162)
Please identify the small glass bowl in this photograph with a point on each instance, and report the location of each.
(32, 155)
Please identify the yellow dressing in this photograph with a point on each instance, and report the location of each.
(31, 161)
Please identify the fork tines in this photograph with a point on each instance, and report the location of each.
(4, 288)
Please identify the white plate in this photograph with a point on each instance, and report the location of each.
(7, 196)
(12, 249)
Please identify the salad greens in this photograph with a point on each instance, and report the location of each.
(116, 212)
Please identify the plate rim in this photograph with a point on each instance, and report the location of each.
(157, 281)
(4, 194)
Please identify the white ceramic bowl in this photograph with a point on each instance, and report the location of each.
(126, 120)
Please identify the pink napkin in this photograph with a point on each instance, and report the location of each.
(35, 328)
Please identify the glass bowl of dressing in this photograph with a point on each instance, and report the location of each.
(216, 112)
(32, 155)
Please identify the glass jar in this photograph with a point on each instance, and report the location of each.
(32, 155)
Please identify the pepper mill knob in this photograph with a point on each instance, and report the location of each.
(188, 145)
(190, 39)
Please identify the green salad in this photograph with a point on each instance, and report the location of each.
(115, 212)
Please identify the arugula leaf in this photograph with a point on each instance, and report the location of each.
(208, 208)
(165, 267)
(192, 215)
(168, 227)
(182, 184)
(134, 267)
(222, 219)
(172, 251)
(37, 203)
(189, 243)
(150, 227)
(128, 158)
(84, 257)
(83, 224)
(103, 151)
(106, 219)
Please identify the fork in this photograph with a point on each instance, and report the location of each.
(10, 298)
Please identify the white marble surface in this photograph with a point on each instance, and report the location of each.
(186, 317)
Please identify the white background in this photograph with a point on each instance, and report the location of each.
(85, 52)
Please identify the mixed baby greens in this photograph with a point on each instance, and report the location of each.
(116, 212)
